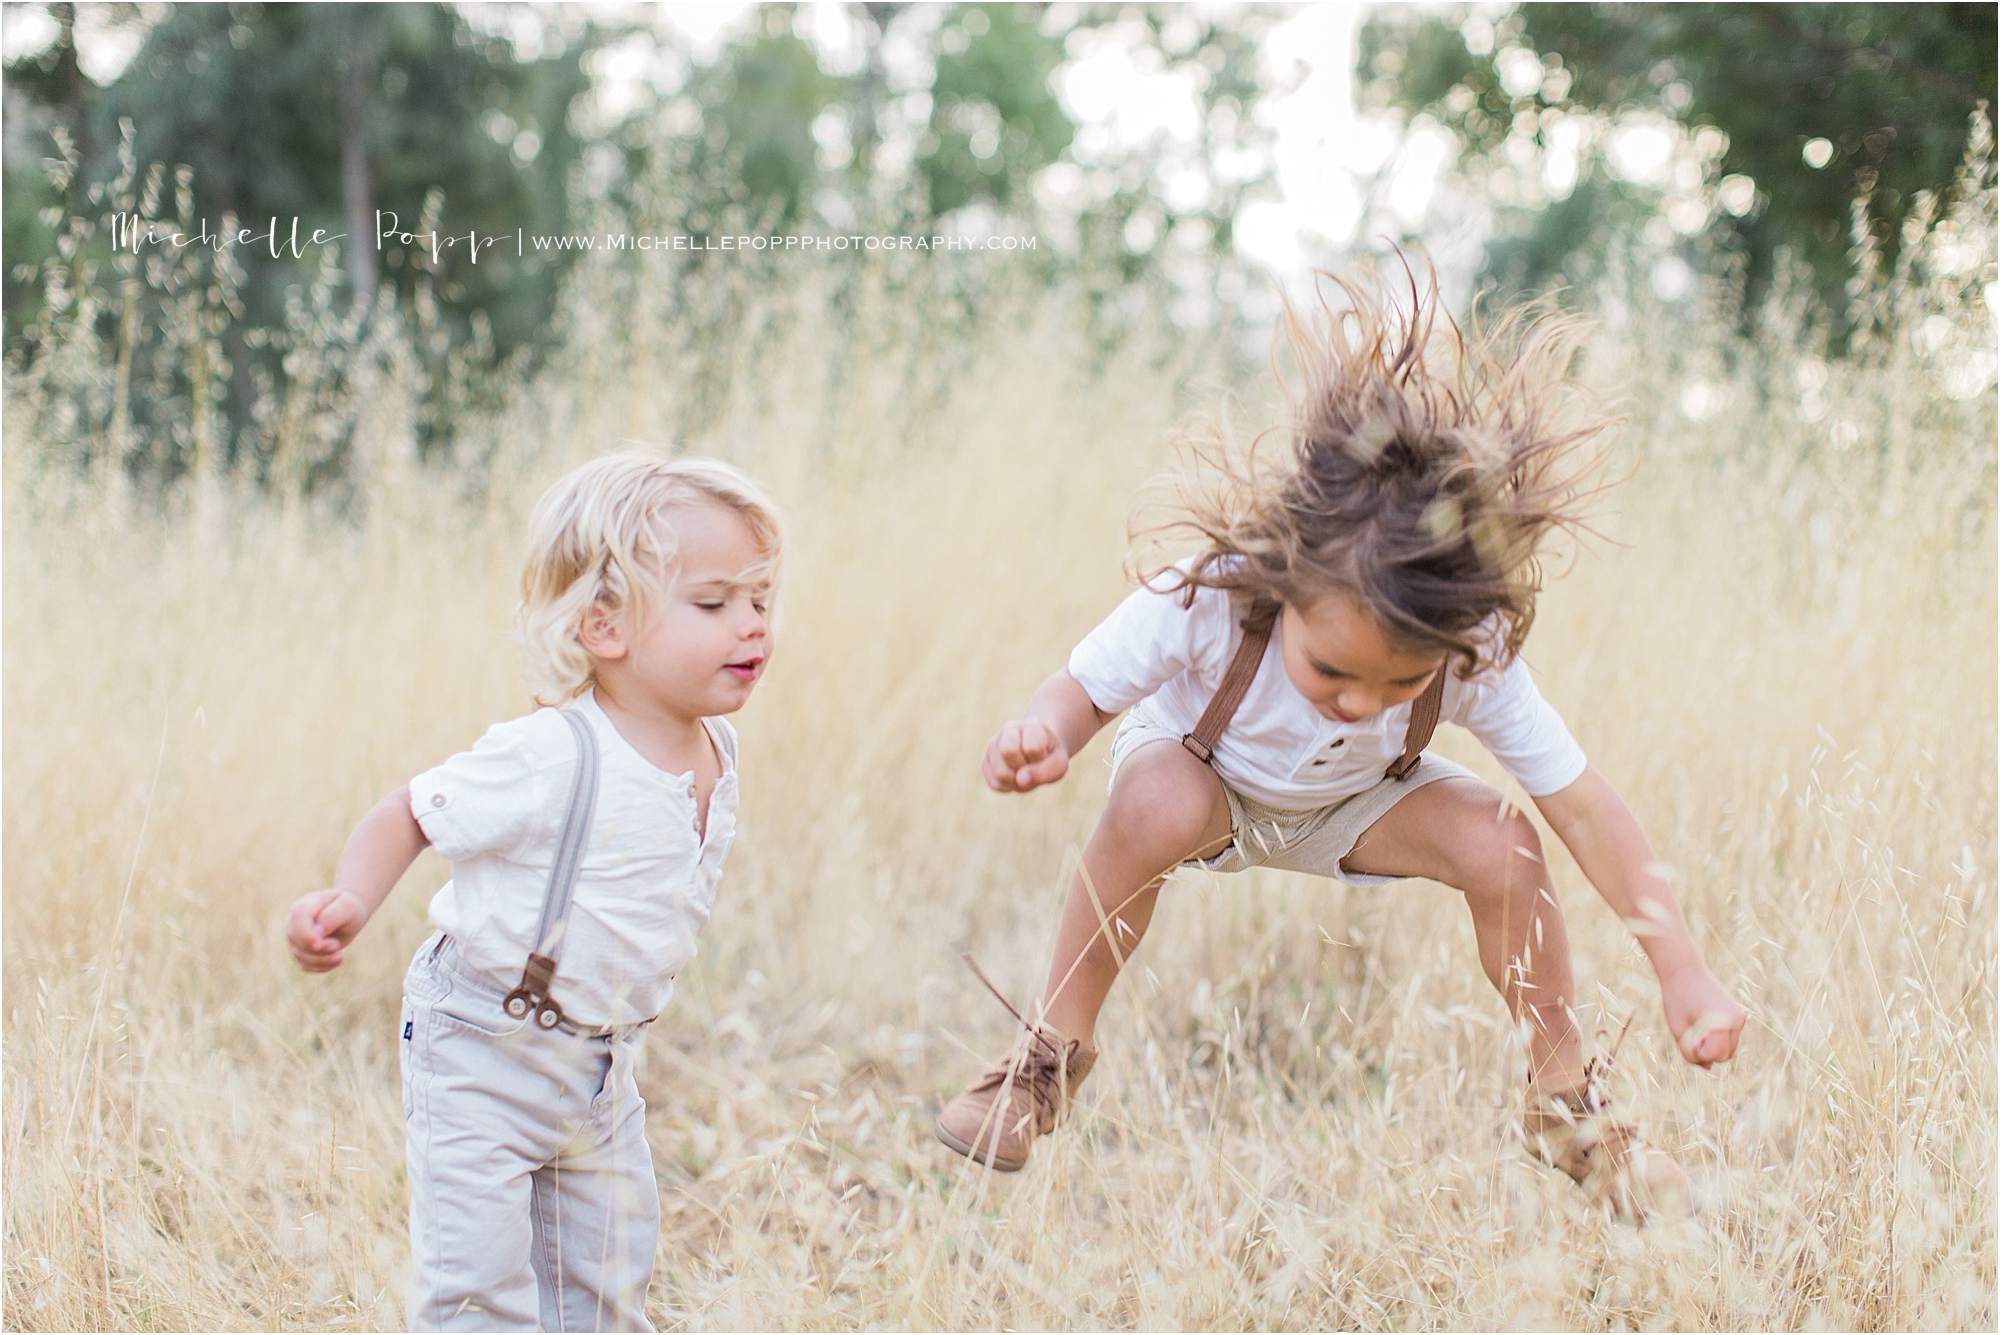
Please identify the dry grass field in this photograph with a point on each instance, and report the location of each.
(1781, 651)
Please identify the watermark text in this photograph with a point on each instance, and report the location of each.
(288, 239)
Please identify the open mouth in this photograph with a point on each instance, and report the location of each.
(746, 670)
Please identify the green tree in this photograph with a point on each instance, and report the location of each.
(995, 120)
(1810, 107)
(328, 113)
(333, 112)
(753, 153)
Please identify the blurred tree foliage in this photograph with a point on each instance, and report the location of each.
(755, 108)
(328, 112)
(995, 120)
(969, 120)
(1809, 108)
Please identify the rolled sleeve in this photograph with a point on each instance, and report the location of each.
(1148, 640)
(480, 801)
(1523, 731)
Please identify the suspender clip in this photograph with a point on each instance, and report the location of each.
(533, 993)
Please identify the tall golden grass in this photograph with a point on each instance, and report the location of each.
(1782, 654)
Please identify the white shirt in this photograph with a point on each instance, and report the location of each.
(646, 884)
(1169, 662)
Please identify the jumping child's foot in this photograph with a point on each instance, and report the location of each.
(1607, 1158)
(995, 1121)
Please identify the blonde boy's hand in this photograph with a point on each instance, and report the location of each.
(319, 927)
(1024, 754)
(1705, 1020)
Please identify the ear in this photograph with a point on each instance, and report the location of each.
(602, 633)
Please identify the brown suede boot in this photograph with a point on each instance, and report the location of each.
(995, 1121)
(1607, 1158)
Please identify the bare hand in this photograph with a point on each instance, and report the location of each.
(1704, 1019)
(319, 927)
(1024, 755)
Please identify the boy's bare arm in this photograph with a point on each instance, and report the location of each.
(1035, 748)
(377, 854)
(1063, 704)
(1601, 832)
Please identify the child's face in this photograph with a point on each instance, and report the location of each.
(1338, 657)
(698, 649)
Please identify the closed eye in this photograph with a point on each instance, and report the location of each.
(1335, 674)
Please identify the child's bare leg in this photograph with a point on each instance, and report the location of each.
(1455, 831)
(1165, 807)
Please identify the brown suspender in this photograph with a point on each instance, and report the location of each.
(1235, 684)
(1423, 722)
(1242, 671)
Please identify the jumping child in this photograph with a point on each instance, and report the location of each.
(586, 844)
(1378, 577)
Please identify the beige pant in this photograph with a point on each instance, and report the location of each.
(532, 1197)
(1310, 841)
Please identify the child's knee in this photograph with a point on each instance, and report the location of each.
(1161, 809)
(1503, 861)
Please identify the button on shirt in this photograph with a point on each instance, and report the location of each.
(1165, 662)
(647, 881)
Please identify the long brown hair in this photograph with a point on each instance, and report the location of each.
(1424, 466)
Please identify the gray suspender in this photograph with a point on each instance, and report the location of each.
(533, 993)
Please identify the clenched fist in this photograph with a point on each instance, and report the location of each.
(1024, 754)
(1705, 1020)
(319, 927)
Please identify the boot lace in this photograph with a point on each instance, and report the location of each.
(1584, 1109)
(1039, 1070)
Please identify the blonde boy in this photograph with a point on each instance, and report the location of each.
(586, 844)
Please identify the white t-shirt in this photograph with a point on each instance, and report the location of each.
(1169, 661)
(646, 884)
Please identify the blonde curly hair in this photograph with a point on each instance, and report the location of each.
(1422, 468)
(603, 535)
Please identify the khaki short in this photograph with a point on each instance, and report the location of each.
(1309, 841)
